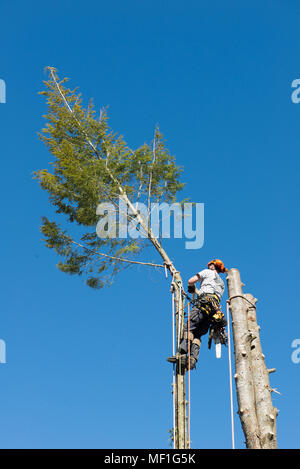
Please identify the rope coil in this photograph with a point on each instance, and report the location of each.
(243, 297)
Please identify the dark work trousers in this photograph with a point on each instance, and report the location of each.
(199, 325)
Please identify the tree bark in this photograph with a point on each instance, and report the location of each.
(242, 353)
(180, 433)
(266, 413)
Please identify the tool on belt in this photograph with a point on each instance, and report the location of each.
(217, 332)
(209, 303)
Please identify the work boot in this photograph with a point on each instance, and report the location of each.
(172, 359)
(192, 362)
(184, 361)
(188, 362)
(181, 361)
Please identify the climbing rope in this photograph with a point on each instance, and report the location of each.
(179, 316)
(189, 381)
(243, 297)
(173, 381)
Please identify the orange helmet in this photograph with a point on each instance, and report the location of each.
(218, 265)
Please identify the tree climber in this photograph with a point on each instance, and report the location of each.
(204, 313)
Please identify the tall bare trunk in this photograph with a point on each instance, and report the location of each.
(180, 431)
(266, 413)
(242, 352)
(257, 414)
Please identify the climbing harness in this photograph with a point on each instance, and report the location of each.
(209, 304)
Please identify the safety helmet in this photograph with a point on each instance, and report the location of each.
(218, 265)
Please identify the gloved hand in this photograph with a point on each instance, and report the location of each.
(191, 288)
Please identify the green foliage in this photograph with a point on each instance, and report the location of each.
(89, 164)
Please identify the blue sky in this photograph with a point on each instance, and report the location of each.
(86, 368)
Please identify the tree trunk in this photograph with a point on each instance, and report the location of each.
(180, 431)
(243, 370)
(257, 414)
(266, 413)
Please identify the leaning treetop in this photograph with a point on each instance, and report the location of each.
(92, 165)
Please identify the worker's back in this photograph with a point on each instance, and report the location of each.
(211, 282)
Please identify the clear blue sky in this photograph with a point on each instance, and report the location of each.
(88, 368)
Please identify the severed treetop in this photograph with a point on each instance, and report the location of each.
(91, 165)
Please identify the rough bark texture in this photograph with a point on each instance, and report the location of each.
(257, 414)
(266, 413)
(242, 352)
(180, 433)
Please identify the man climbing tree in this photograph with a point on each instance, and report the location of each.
(205, 313)
(92, 165)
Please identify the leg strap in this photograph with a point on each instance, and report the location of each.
(188, 336)
(197, 342)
